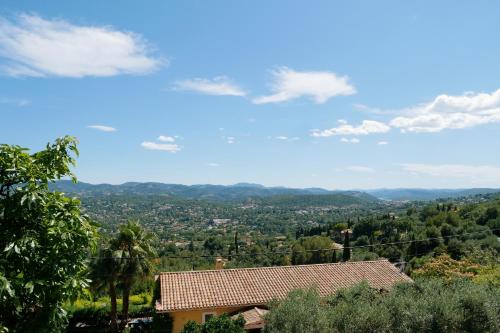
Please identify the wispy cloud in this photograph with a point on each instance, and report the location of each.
(164, 138)
(366, 108)
(286, 138)
(483, 173)
(365, 128)
(213, 164)
(351, 140)
(289, 84)
(360, 168)
(102, 128)
(168, 147)
(382, 143)
(19, 102)
(38, 47)
(450, 112)
(219, 86)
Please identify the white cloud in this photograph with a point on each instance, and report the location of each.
(19, 102)
(212, 164)
(286, 138)
(320, 86)
(230, 139)
(366, 127)
(102, 128)
(361, 169)
(451, 112)
(164, 138)
(168, 147)
(37, 47)
(366, 108)
(382, 143)
(475, 173)
(352, 140)
(219, 86)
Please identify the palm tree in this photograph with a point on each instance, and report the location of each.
(105, 273)
(134, 248)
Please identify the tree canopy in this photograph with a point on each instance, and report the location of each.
(428, 305)
(44, 240)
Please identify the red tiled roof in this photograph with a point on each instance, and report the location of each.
(256, 286)
(254, 318)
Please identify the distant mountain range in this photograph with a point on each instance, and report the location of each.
(237, 192)
(244, 191)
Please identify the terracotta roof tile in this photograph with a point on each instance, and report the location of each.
(254, 318)
(256, 286)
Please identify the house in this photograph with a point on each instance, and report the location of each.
(198, 295)
(218, 222)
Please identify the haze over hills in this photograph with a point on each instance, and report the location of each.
(244, 191)
(404, 194)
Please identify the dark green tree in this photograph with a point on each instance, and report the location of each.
(105, 275)
(44, 240)
(191, 327)
(346, 254)
(133, 249)
(236, 246)
(334, 256)
(213, 245)
(216, 324)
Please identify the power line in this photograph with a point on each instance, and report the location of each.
(290, 251)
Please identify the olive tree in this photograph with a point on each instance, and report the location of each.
(44, 238)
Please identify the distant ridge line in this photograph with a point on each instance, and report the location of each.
(243, 191)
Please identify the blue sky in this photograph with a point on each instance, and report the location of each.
(358, 94)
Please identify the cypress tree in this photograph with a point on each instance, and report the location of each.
(334, 256)
(346, 255)
(236, 242)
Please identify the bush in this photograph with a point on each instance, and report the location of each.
(300, 312)
(96, 313)
(447, 268)
(191, 327)
(428, 305)
(162, 323)
(218, 324)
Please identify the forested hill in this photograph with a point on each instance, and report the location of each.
(340, 199)
(245, 191)
(237, 192)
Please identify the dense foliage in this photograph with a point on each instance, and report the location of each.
(44, 238)
(222, 323)
(283, 230)
(123, 262)
(443, 239)
(425, 306)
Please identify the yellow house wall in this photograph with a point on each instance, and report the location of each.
(182, 317)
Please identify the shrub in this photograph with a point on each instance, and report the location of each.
(447, 268)
(428, 305)
(217, 324)
(191, 327)
(300, 312)
(162, 323)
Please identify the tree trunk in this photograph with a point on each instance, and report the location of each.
(126, 296)
(113, 314)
